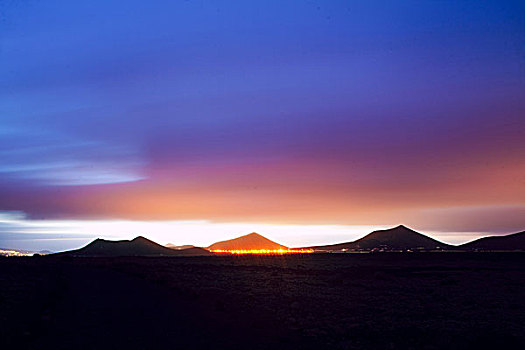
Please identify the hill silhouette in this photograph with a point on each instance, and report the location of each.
(515, 241)
(252, 241)
(397, 238)
(138, 246)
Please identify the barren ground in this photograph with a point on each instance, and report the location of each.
(336, 301)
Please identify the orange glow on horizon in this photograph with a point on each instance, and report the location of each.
(263, 251)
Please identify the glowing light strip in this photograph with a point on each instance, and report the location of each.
(263, 251)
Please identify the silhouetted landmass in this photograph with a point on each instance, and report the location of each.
(252, 241)
(515, 241)
(397, 238)
(400, 238)
(194, 251)
(139, 246)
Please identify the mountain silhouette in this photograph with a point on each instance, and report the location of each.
(139, 246)
(252, 241)
(515, 241)
(397, 238)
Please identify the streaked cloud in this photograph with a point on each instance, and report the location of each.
(51, 158)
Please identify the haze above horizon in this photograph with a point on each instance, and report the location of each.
(313, 122)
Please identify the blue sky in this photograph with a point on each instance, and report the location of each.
(265, 112)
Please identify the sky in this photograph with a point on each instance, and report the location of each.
(312, 122)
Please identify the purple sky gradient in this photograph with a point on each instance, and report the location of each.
(271, 112)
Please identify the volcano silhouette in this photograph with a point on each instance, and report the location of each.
(515, 241)
(252, 241)
(139, 246)
(397, 238)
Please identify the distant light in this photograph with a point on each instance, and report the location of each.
(263, 251)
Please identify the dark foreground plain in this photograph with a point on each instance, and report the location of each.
(333, 301)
